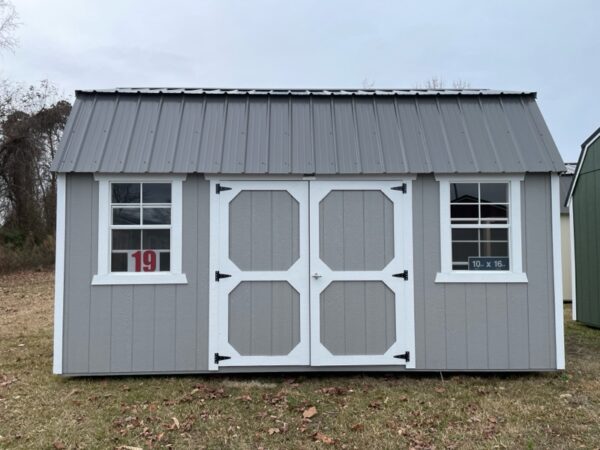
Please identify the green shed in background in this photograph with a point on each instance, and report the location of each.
(584, 207)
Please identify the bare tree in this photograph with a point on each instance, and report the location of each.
(439, 83)
(8, 25)
(367, 83)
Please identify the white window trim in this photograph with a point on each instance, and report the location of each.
(516, 274)
(104, 276)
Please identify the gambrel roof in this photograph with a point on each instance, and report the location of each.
(185, 130)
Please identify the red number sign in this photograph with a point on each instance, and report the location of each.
(145, 260)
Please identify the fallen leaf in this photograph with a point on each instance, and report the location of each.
(440, 390)
(309, 412)
(176, 422)
(245, 398)
(128, 447)
(272, 431)
(357, 427)
(318, 436)
(375, 404)
(59, 445)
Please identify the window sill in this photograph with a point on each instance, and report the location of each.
(138, 278)
(481, 277)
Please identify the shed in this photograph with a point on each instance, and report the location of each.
(583, 202)
(214, 230)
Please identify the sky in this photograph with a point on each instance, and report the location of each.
(550, 47)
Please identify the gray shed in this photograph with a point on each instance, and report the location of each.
(210, 230)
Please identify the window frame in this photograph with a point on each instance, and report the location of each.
(515, 249)
(104, 276)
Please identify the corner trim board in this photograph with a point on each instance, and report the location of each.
(573, 263)
(59, 276)
(557, 263)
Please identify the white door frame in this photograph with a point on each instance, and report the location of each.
(296, 275)
(403, 260)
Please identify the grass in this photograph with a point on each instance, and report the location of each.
(39, 410)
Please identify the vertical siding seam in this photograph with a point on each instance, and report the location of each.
(131, 133)
(66, 278)
(132, 326)
(110, 333)
(445, 291)
(445, 135)
(108, 132)
(467, 136)
(524, 230)
(154, 328)
(197, 267)
(85, 132)
(364, 234)
(550, 270)
(421, 137)
(196, 159)
(466, 321)
(507, 327)
(365, 317)
(155, 133)
(89, 334)
(421, 250)
(486, 123)
(175, 292)
(400, 136)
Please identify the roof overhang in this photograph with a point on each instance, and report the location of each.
(584, 148)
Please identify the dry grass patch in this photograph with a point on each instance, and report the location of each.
(38, 410)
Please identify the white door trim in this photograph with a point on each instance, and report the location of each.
(296, 275)
(403, 260)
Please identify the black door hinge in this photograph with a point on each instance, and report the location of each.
(405, 356)
(219, 188)
(219, 358)
(219, 275)
(402, 275)
(401, 188)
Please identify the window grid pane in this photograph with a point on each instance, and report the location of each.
(479, 222)
(140, 227)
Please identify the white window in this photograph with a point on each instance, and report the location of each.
(480, 230)
(139, 230)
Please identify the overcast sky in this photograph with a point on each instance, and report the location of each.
(549, 46)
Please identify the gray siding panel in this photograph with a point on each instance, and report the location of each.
(343, 133)
(158, 329)
(134, 329)
(485, 326)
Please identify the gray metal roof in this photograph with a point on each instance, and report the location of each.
(162, 130)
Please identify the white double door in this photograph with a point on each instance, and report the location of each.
(311, 273)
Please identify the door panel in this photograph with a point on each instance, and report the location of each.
(263, 306)
(361, 313)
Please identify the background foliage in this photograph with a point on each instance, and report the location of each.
(32, 120)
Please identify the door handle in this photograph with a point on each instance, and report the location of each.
(316, 275)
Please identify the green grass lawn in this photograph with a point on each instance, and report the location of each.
(39, 410)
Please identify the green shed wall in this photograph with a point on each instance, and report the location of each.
(586, 223)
